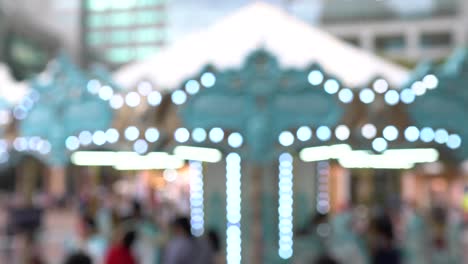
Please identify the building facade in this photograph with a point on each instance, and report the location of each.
(117, 32)
(403, 33)
(25, 44)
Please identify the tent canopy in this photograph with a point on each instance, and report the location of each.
(224, 45)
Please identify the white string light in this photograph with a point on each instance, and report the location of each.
(304, 133)
(72, 143)
(208, 79)
(323, 196)
(235, 140)
(233, 208)
(196, 199)
(285, 206)
(331, 86)
(286, 138)
(315, 77)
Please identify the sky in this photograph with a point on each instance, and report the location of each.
(192, 15)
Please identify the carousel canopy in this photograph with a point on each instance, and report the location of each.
(226, 44)
(11, 91)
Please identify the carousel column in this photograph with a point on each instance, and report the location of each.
(94, 177)
(304, 193)
(214, 196)
(260, 232)
(233, 209)
(285, 206)
(269, 217)
(246, 212)
(27, 180)
(364, 187)
(57, 182)
(254, 232)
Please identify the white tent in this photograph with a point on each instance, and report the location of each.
(227, 43)
(11, 90)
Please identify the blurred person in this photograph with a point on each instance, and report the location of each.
(106, 215)
(25, 221)
(89, 240)
(440, 248)
(32, 253)
(121, 251)
(326, 259)
(414, 235)
(78, 258)
(181, 248)
(384, 250)
(208, 247)
(25, 218)
(215, 243)
(345, 243)
(147, 246)
(311, 240)
(464, 240)
(455, 233)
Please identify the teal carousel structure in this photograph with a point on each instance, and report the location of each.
(263, 137)
(259, 115)
(278, 133)
(58, 103)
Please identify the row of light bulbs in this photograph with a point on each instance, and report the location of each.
(151, 135)
(215, 135)
(145, 89)
(24, 144)
(367, 95)
(235, 140)
(112, 136)
(286, 138)
(208, 79)
(369, 131)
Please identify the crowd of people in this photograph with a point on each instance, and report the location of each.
(112, 229)
(118, 230)
(398, 234)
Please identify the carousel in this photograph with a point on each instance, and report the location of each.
(252, 126)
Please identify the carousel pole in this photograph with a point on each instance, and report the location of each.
(256, 215)
(26, 179)
(57, 182)
(30, 180)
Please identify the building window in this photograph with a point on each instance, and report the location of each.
(125, 30)
(124, 4)
(120, 55)
(150, 2)
(390, 43)
(98, 5)
(432, 40)
(96, 21)
(120, 36)
(150, 17)
(96, 38)
(148, 35)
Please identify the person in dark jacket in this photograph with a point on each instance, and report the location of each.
(78, 258)
(384, 251)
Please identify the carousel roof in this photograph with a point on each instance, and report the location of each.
(226, 44)
(10, 90)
